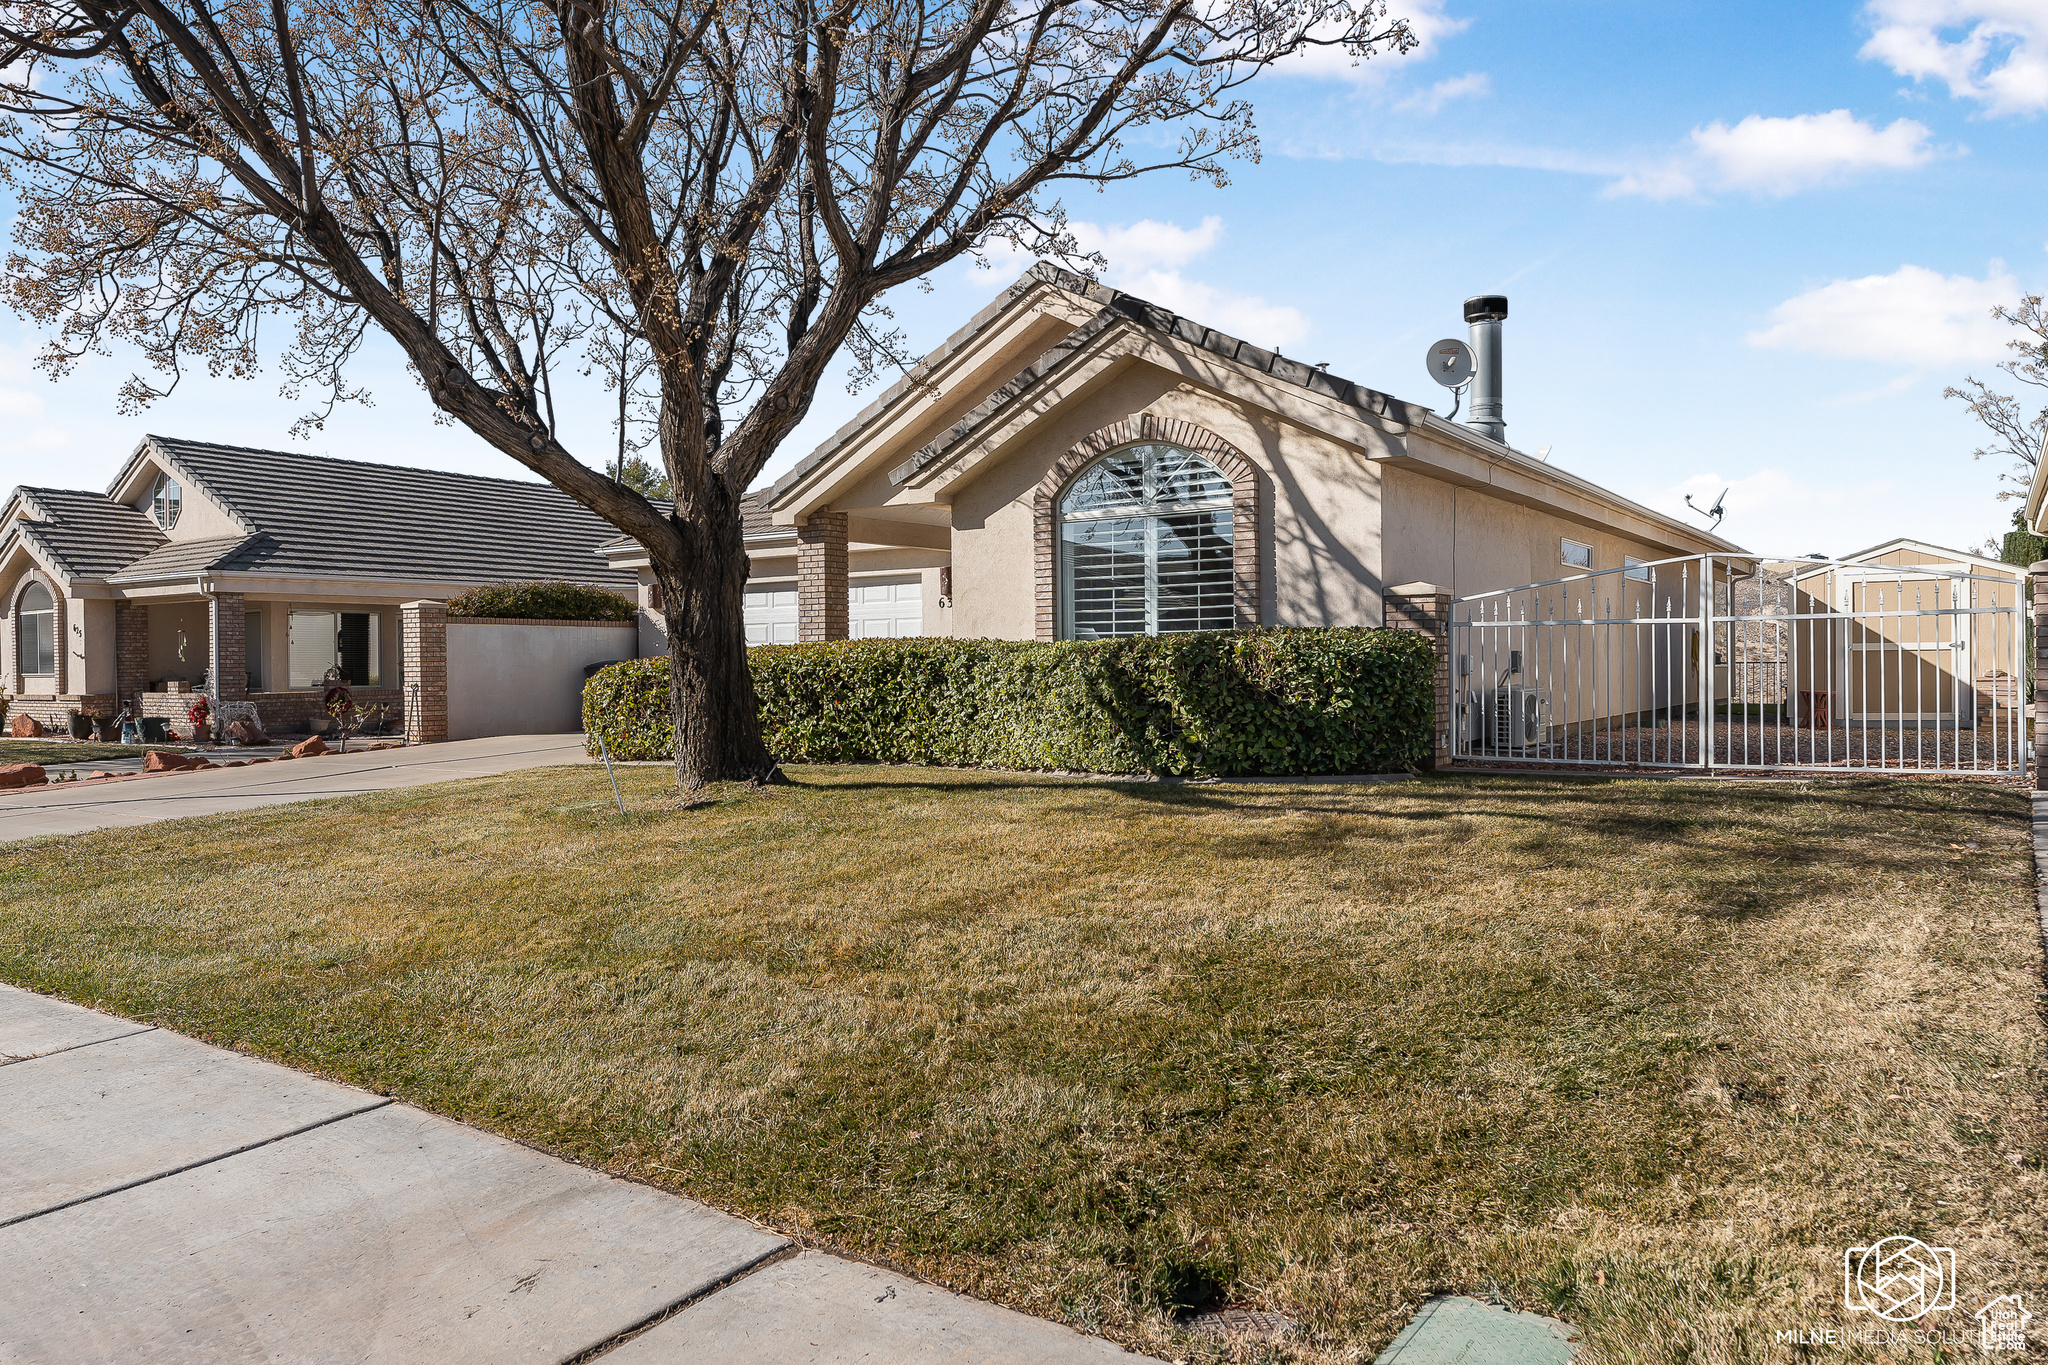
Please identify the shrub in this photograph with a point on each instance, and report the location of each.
(1218, 702)
(552, 600)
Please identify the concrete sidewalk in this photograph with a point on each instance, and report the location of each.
(62, 809)
(165, 1200)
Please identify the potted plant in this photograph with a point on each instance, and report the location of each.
(201, 716)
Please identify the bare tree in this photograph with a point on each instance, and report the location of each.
(713, 196)
(2016, 434)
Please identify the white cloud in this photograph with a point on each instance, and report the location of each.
(1264, 324)
(1994, 52)
(1146, 244)
(1912, 316)
(1426, 20)
(1146, 258)
(1432, 100)
(1780, 156)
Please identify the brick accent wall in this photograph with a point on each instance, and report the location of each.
(1246, 493)
(821, 606)
(1426, 608)
(131, 649)
(423, 633)
(2038, 577)
(56, 712)
(227, 649)
(300, 710)
(13, 624)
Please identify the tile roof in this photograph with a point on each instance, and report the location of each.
(184, 557)
(313, 515)
(754, 524)
(1114, 306)
(88, 534)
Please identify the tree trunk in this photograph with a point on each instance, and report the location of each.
(718, 723)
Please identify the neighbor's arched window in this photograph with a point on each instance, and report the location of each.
(35, 632)
(1146, 546)
(166, 501)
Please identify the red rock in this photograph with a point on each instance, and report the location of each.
(308, 748)
(23, 774)
(254, 761)
(246, 732)
(25, 727)
(160, 762)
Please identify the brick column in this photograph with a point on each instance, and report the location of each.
(1426, 608)
(131, 651)
(2037, 579)
(821, 577)
(424, 628)
(227, 647)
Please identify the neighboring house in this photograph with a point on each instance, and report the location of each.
(252, 573)
(1077, 463)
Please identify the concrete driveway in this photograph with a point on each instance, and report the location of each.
(165, 1200)
(63, 809)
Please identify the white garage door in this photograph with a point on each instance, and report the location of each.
(771, 615)
(885, 607)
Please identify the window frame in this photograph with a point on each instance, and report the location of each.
(1635, 570)
(1564, 553)
(1153, 514)
(166, 501)
(23, 613)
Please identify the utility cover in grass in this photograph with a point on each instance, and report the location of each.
(1455, 1328)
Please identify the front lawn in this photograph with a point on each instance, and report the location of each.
(74, 750)
(1647, 1056)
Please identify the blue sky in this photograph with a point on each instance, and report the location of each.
(1744, 246)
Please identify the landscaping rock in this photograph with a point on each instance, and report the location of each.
(23, 774)
(245, 732)
(161, 762)
(25, 727)
(309, 748)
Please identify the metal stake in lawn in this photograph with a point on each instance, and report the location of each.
(605, 754)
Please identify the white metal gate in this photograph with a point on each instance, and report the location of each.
(1712, 661)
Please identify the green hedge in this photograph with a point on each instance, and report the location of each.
(551, 600)
(1215, 702)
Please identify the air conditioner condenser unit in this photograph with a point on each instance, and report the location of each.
(1505, 718)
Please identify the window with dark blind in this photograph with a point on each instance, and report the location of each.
(1146, 546)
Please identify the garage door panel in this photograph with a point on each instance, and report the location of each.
(875, 609)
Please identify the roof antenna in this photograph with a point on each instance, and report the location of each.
(1717, 511)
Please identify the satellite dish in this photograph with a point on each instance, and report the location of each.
(1450, 362)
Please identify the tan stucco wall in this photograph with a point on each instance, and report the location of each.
(166, 620)
(199, 517)
(1319, 538)
(89, 631)
(1471, 541)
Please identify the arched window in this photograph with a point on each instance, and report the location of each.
(35, 632)
(1146, 546)
(166, 501)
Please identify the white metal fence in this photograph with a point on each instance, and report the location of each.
(1713, 661)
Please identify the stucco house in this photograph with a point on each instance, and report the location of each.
(254, 572)
(1076, 462)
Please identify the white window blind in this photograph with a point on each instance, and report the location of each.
(1147, 546)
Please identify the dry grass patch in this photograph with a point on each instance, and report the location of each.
(1646, 1056)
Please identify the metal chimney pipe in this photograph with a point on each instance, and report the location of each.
(1485, 313)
